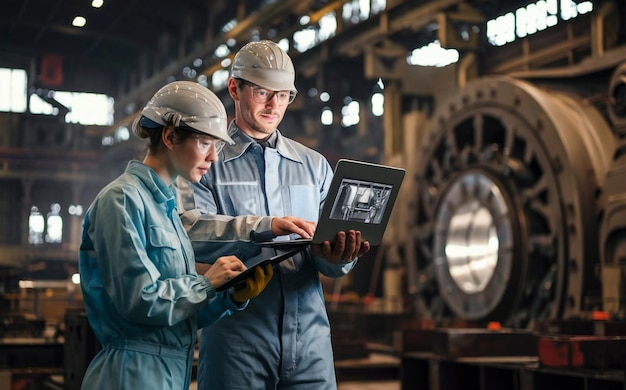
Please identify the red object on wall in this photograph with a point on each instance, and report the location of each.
(51, 70)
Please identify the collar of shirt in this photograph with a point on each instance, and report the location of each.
(269, 142)
(161, 192)
(243, 142)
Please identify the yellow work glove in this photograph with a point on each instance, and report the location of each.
(252, 286)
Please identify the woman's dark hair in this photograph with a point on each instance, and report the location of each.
(153, 133)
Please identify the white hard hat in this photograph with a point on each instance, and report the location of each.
(188, 103)
(265, 64)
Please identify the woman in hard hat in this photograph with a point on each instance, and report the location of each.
(143, 297)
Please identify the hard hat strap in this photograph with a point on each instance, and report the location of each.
(172, 117)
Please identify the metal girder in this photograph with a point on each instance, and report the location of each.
(405, 16)
(26, 164)
(401, 16)
(147, 88)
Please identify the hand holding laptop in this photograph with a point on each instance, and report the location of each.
(360, 198)
(347, 247)
(354, 216)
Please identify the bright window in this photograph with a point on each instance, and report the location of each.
(350, 113)
(36, 226)
(54, 224)
(433, 55)
(12, 90)
(533, 18)
(378, 104)
(326, 118)
(84, 108)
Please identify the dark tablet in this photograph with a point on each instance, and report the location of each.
(249, 272)
(288, 244)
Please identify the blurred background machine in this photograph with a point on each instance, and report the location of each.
(504, 262)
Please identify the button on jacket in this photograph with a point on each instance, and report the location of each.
(143, 297)
(284, 332)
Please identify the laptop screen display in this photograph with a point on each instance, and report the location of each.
(360, 201)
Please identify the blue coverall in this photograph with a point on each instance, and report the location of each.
(143, 297)
(282, 339)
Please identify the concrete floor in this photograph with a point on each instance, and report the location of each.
(371, 362)
(377, 385)
(353, 385)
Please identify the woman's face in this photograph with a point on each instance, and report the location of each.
(192, 156)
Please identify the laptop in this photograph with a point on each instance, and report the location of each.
(361, 197)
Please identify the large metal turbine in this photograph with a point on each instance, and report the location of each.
(506, 217)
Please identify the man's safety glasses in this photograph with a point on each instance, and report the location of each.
(263, 96)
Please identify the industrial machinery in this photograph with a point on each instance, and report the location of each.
(519, 206)
(510, 201)
(516, 219)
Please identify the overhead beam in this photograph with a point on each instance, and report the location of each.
(143, 91)
(401, 16)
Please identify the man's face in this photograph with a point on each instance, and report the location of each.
(259, 110)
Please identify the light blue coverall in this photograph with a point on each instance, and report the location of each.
(282, 339)
(143, 297)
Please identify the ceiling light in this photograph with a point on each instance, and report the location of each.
(97, 3)
(79, 21)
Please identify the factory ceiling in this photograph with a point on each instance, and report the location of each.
(117, 38)
(131, 45)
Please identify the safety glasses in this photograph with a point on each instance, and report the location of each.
(263, 96)
(205, 144)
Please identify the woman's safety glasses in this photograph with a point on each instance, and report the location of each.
(205, 144)
(263, 96)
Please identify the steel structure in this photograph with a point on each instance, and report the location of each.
(518, 215)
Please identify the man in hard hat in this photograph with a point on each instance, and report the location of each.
(282, 339)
